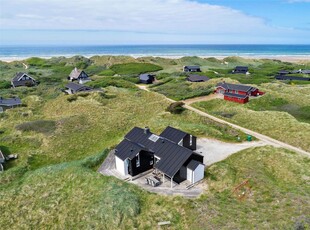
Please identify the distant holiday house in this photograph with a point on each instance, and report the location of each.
(79, 75)
(23, 79)
(291, 78)
(236, 92)
(192, 68)
(306, 71)
(300, 71)
(9, 103)
(73, 88)
(197, 78)
(237, 89)
(241, 69)
(146, 78)
(170, 153)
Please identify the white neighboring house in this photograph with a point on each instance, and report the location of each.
(79, 75)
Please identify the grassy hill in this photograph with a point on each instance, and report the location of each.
(62, 139)
(74, 195)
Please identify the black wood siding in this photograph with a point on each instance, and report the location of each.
(186, 142)
(145, 159)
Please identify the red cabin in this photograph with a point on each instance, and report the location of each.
(237, 89)
(242, 99)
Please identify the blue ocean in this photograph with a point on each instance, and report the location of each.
(154, 50)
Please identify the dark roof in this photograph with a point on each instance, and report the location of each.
(19, 75)
(128, 149)
(142, 137)
(172, 156)
(283, 72)
(77, 87)
(241, 68)
(197, 78)
(306, 71)
(287, 77)
(146, 76)
(244, 88)
(193, 164)
(192, 66)
(10, 101)
(173, 134)
(236, 95)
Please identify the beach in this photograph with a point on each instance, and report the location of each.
(284, 58)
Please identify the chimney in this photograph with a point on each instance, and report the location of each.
(147, 130)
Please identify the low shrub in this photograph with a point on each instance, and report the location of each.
(176, 107)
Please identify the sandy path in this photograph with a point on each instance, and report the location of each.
(25, 66)
(264, 138)
(203, 98)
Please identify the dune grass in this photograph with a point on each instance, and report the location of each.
(74, 195)
(134, 68)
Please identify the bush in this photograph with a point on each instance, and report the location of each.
(71, 98)
(5, 85)
(40, 126)
(176, 107)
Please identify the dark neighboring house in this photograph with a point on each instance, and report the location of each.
(242, 99)
(170, 153)
(191, 68)
(305, 71)
(2, 159)
(9, 103)
(283, 72)
(79, 75)
(237, 89)
(146, 78)
(290, 78)
(72, 88)
(197, 78)
(23, 79)
(241, 69)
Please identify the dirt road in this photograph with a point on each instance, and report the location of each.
(266, 139)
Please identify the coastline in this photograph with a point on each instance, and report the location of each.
(286, 58)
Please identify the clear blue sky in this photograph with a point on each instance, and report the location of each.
(28, 22)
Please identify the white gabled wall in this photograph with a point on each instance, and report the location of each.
(199, 173)
(121, 166)
(189, 174)
(196, 175)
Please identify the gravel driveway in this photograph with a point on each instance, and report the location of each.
(215, 151)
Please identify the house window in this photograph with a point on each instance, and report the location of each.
(138, 160)
(190, 140)
(151, 162)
